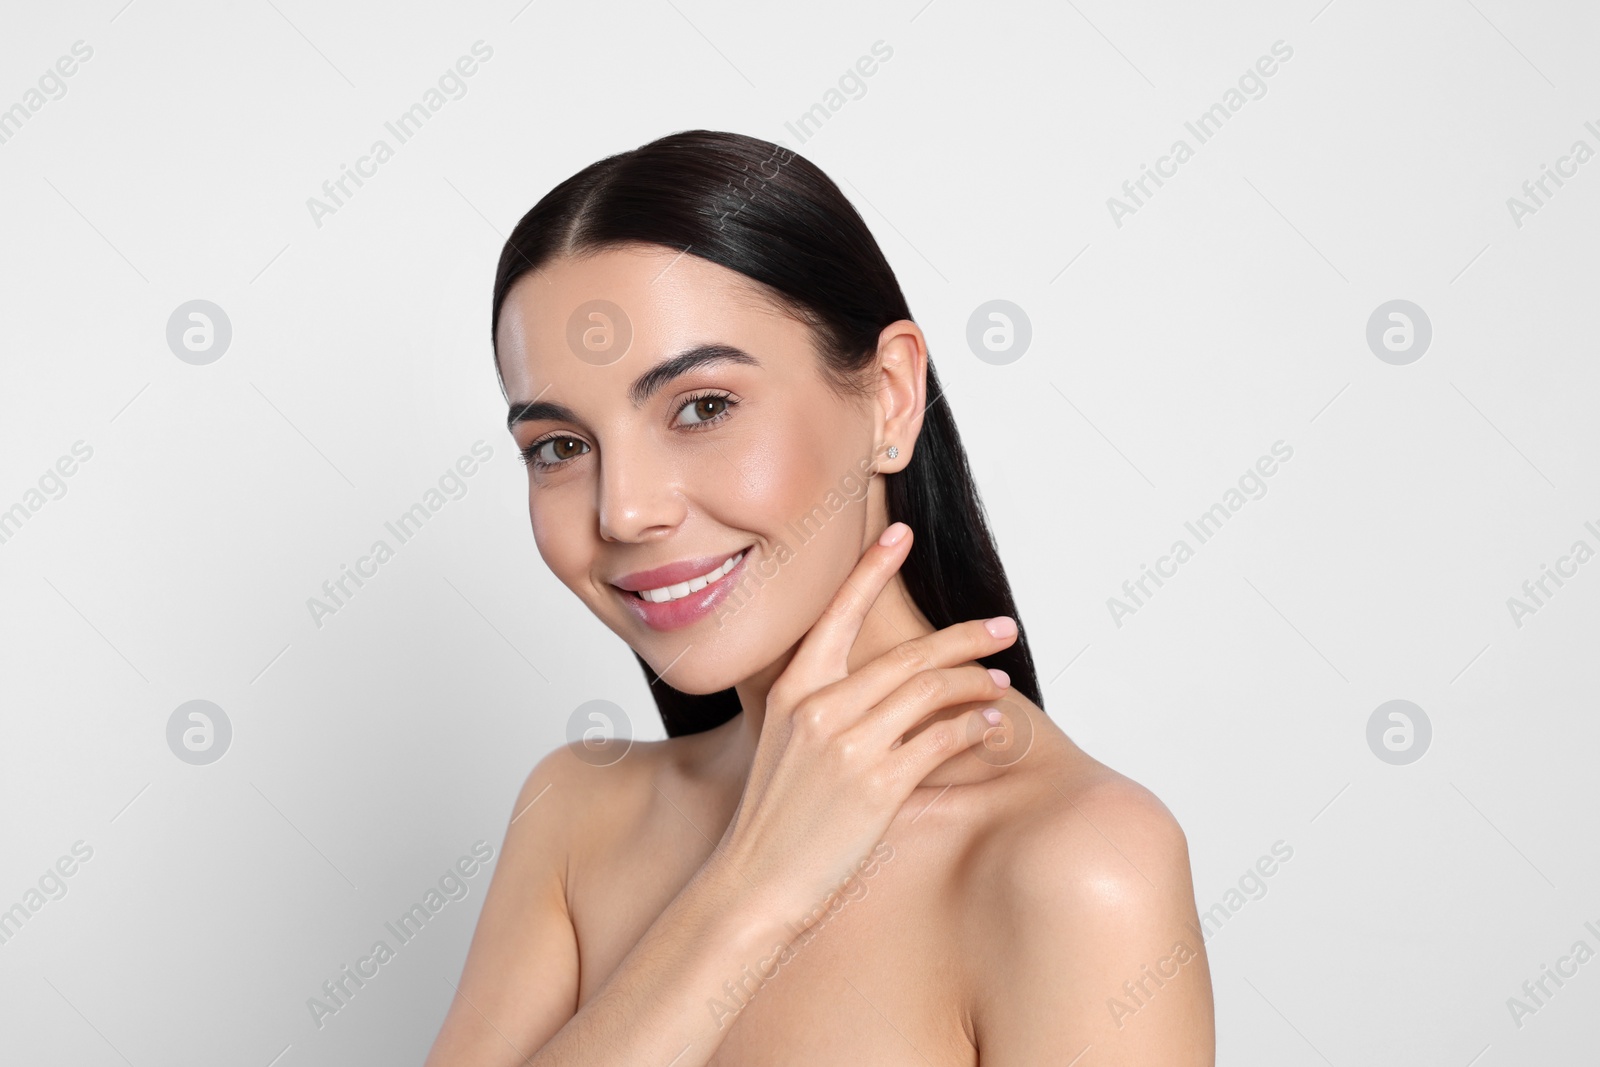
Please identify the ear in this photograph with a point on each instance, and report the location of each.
(902, 391)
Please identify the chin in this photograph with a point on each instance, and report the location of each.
(712, 674)
(709, 666)
(718, 663)
(705, 685)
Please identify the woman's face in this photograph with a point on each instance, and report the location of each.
(750, 452)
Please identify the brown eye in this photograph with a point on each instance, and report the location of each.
(553, 451)
(704, 409)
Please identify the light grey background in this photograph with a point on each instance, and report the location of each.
(1168, 353)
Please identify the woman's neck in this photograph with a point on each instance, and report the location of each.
(892, 619)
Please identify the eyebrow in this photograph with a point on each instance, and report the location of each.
(643, 387)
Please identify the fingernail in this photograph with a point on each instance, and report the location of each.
(1001, 626)
(991, 716)
(893, 534)
(1001, 678)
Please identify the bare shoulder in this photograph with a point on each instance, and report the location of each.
(521, 978)
(608, 789)
(1062, 822)
(594, 789)
(1098, 835)
(1089, 902)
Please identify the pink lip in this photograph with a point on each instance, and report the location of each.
(686, 610)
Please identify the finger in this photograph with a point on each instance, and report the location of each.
(917, 758)
(961, 643)
(823, 651)
(928, 692)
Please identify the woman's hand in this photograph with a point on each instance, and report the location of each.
(829, 773)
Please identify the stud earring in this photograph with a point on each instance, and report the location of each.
(893, 452)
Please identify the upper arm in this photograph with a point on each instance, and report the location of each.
(520, 982)
(1094, 947)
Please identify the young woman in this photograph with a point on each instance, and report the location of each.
(863, 841)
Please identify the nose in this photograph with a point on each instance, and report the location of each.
(639, 493)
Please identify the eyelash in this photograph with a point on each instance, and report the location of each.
(530, 454)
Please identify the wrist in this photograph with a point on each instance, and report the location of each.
(756, 913)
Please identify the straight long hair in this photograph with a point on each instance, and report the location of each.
(771, 215)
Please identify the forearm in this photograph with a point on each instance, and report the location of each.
(667, 1001)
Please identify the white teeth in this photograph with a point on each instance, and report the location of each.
(693, 585)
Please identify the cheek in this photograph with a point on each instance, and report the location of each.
(559, 537)
(772, 485)
(799, 484)
(787, 467)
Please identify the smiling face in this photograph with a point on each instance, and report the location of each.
(634, 468)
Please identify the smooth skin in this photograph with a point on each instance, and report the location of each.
(857, 868)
